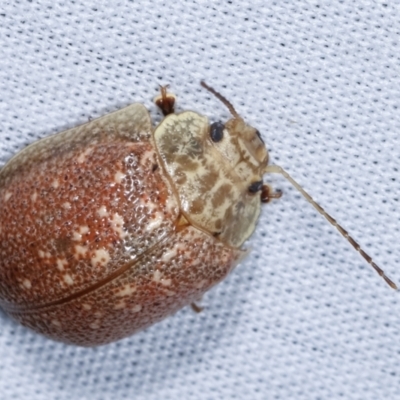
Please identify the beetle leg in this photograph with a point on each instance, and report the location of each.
(196, 308)
(165, 101)
(267, 194)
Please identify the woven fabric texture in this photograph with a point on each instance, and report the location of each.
(304, 316)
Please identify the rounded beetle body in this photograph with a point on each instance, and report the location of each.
(110, 227)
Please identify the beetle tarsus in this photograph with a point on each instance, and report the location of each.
(165, 101)
(267, 194)
(196, 308)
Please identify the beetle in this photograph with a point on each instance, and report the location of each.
(111, 226)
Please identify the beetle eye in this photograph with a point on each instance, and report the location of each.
(217, 131)
(256, 187)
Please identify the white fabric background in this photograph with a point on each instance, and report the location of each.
(304, 317)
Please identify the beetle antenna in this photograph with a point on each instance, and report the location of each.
(222, 98)
(279, 170)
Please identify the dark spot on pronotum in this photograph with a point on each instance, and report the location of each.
(217, 131)
(216, 234)
(256, 187)
(259, 135)
(155, 167)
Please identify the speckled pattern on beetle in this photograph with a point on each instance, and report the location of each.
(110, 227)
